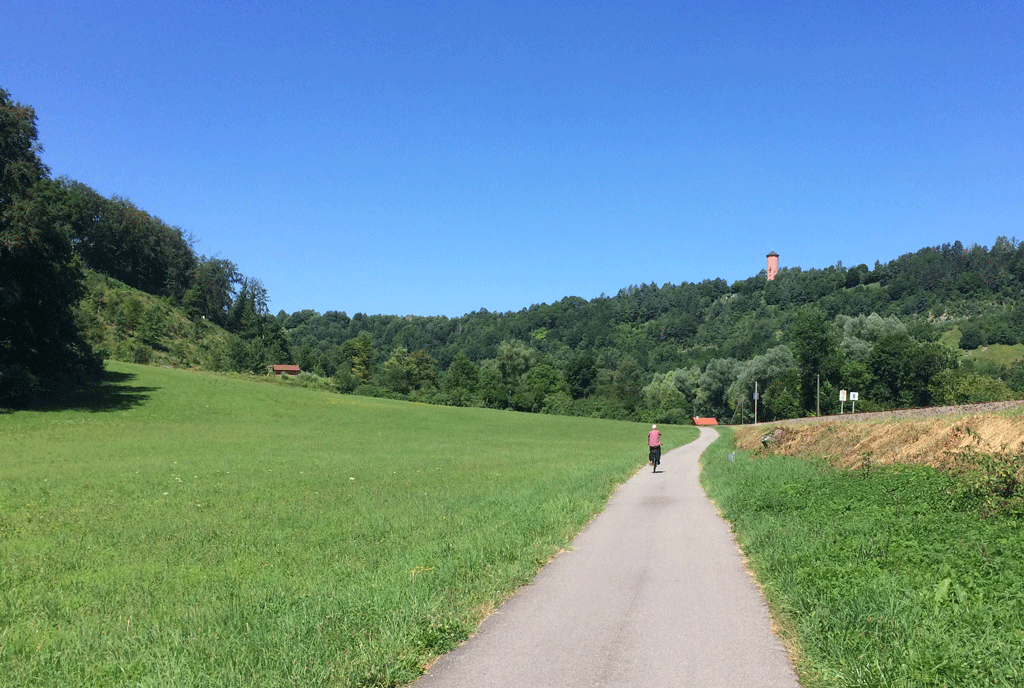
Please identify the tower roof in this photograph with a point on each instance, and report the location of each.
(773, 253)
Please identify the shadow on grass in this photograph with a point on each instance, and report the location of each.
(111, 392)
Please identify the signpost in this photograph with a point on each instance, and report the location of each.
(853, 400)
(842, 400)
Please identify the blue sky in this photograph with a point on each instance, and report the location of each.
(439, 158)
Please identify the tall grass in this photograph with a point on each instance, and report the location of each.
(879, 577)
(183, 529)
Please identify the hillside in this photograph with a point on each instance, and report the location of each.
(945, 438)
(122, 323)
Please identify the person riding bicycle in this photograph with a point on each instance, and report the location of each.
(654, 442)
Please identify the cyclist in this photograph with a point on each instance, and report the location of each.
(654, 442)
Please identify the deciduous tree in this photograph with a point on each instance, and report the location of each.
(40, 278)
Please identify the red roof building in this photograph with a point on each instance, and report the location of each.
(697, 420)
(280, 370)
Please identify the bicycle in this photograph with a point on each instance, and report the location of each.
(655, 458)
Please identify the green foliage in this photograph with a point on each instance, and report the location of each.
(536, 386)
(116, 238)
(992, 482)
(959, 386)
(190, 529)
(124, 324)
(628, 384)
(870, 328)
(815, 344)
(461, 381)
(782, 398)
(405, 372)
(514, 358)
(212, 290)
(41, 349)
(713, 395)
(581, 374)
(778, 363)
(971, 336)
(671, 395)
(903, 370)
(880, 577)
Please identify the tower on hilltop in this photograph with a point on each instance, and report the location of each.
(773, 265)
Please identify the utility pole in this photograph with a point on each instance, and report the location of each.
(817, 400)
(755, 402)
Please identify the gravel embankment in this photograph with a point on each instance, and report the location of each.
(963, 410)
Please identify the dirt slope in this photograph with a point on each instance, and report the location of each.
(936, 437)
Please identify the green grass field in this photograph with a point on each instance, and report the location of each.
(187, 529)
(997, 354)
(882, 577)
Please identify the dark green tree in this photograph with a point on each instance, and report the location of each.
(540, 381)
(213, 286)
(815, 343)
(40, 278)
(398, 373)
(492, 389)
(461, 381)
(581, 374)
(628, 383)
(713, 386)
(782, 398)
(903, 370)
(361, 352)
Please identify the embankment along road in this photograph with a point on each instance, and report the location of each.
(961, 410)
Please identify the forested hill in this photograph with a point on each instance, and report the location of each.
(74, 264)
(692, 323)
(687, 349)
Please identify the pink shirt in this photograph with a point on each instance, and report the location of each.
(654, 438)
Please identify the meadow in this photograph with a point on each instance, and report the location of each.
(176, 528)
(900, 575)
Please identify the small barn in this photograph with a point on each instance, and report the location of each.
(280, 370)
(697, 420)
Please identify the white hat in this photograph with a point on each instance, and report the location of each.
(654, 427)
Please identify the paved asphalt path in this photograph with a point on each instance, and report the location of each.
(653, 594)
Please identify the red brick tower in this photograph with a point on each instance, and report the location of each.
(773, 265)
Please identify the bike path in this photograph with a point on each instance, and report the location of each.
(653, 593)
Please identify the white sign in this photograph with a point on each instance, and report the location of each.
(853, 396)
(842, 395)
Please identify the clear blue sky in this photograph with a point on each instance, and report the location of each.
(437, 158)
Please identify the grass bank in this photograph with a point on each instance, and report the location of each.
(185, 529)
(879, 576)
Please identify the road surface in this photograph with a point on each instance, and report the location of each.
(653, 593)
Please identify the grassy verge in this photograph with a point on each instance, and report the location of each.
(184, 529)
(879, 577)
